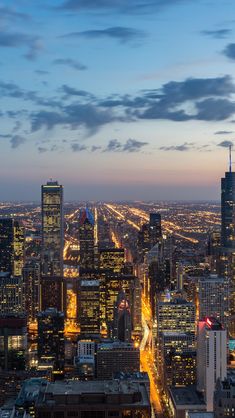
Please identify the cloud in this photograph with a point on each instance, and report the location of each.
(120, 6)
(214, 109)
(8, 14)
(69, 62)
(41, 150)
(223, 132)
(131, 145)
(71, 91)
(217, 34)
(41, 72)
(229, 51)
(16, 141)
(18, 40)
(95, 148)
(225, 144)
(122, 34)
(73, 116)
(187, 146)
(78, 147)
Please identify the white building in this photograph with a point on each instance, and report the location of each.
(211, 357)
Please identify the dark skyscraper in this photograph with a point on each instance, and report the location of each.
(228, 208)
(11, 246)
(86, 238)
(52, 229)
(155, 228)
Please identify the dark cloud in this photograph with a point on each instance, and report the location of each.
(41, 150)
(225, 144)
(18, 40)
(187, 146)
(78, 147)
(69, 62)
(8, 14)
(121, 6)
(223, 132)
(73, 116)
(113, 146)
(71, 91)
(229, 51)
(131, 145)
(214, 109)
(122, 34)
(217, 34)
(5, 136)
(95, 148)
(16, 141)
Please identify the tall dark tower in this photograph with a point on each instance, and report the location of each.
(52, 229)
(155, 228)
(51, 283)
(228, 207)
(86, 238)
(12, 243)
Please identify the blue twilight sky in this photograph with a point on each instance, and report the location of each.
(117, 99)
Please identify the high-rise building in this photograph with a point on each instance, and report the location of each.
(180, 368)
(31, 278)
(51, 344)
(211, 357)
(87, 239)
(112, 259)
(228, 208)
(11, 294)
(176, 315)
(12, 242)
(13, 342)
(122, 319)
(52, 230)
(52, 293)
(89, 306)
(114, 357)
(155, 228)
(214, 298)
(224, 397)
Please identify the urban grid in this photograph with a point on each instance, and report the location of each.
(117, 209)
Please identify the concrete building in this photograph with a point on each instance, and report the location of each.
(224, 397)
(115, 357)
(211, 358)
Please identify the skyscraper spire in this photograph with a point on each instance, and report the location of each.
(230, 158)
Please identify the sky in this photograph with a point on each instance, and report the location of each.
(116, 99)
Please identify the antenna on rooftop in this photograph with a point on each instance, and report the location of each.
(230, 158)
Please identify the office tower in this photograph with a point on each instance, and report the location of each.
(86, 238)
(52, 230)
(228, 208)
(91, 399)
(143, 243)
(11, 294)
(211, 357)
(155, 229)
(155, 278)
(176, 315)
(89, 306)
(112, 259)
(214, 298)
(31, 279)
(12, 242)
(114, 357)
(122, 319)
(224, 397)
(51, 345)
(180, 367)
(52, 293)
(85, 359)
(13, 342)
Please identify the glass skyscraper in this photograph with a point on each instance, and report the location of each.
(52, 229)
(228, 210)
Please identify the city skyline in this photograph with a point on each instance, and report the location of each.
(105, 98)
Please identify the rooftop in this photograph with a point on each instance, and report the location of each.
(186, 396)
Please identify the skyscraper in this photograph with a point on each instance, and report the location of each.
(86, 238)
(89, 307)
(211, 357)
(31, 277)
(51, 286)
(155, 228)
(11, 246)
(228, 208)
(52, 229)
